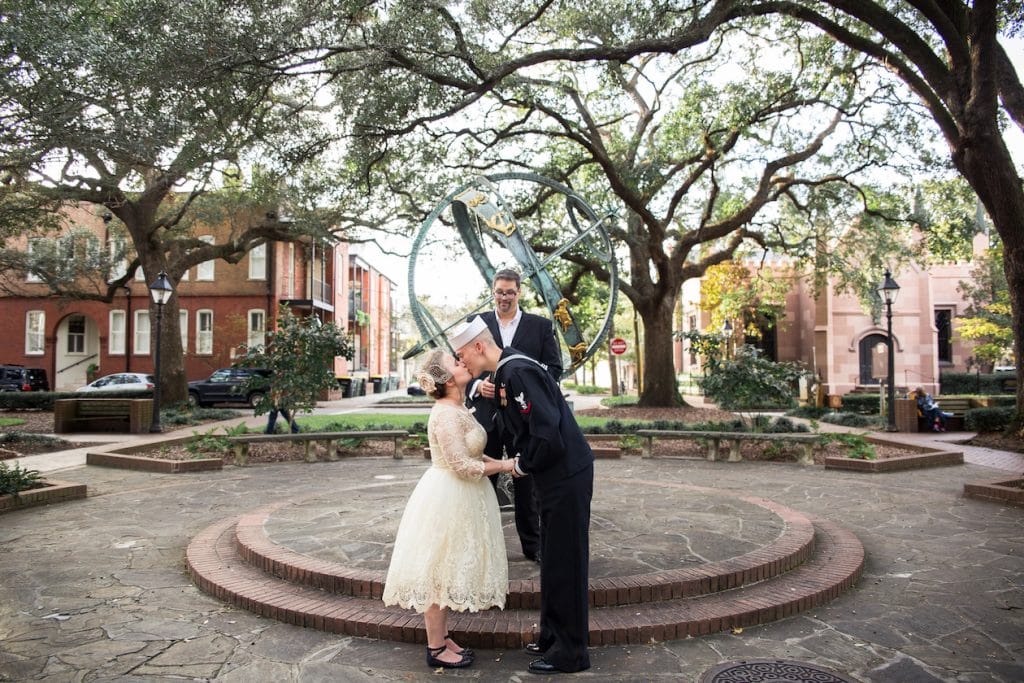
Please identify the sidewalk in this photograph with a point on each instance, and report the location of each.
(96, 589)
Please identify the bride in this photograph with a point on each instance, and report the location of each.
(449, 552)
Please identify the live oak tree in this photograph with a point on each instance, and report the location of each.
(142, 108)
(691, 148)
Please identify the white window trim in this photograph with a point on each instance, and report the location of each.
(200, 347)
(258, 262)
(113, 336)
(183, 325)
(205, 271)
(41, 333)
(254, 335)
(33, 247)
(137, 333)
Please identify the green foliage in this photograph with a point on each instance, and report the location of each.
(949, 218)
(862, 404)
(211, 442)
(972, 383)
(630, 443)
(588, 390)
(851, 420)
(619, 401)
(300, 357)
(988, 419)
(809, 412)
(751, 382)
(14, 479)
(987, 320)
(856, 445)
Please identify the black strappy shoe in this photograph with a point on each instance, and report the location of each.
(433, 662)
(464, 651)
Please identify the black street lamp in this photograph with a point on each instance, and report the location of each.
(889, 289)
(161, 291)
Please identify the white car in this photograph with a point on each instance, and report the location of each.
(121, 382)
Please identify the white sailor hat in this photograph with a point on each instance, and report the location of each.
(463, 333)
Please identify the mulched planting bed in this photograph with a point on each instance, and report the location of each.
(276, 452)
(750, 450)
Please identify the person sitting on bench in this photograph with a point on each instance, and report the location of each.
(930, 410)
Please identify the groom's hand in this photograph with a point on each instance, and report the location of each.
(487, 388)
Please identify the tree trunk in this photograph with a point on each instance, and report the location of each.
(659, 372)
(989, 168)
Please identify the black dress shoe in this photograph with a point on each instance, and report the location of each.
(535, 557)
(534, 649)
(539, 666)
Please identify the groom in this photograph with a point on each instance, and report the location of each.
(550, 449)
(531, 335)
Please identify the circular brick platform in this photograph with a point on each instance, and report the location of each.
(804, 563)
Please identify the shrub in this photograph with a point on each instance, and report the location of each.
(850, 420)
(13, 480)
(855, 445)
(212, 442)
(752, 382)
(808, 412)
(971, 383)
(619, 401)
(586, 389)
(988, 419)
(862, 404)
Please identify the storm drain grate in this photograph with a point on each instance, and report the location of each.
(771, 671)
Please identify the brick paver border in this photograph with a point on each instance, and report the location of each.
(755, 588)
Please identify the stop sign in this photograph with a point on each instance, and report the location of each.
(618, 346)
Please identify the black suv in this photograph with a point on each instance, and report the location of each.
(20, 378)
(230, 385)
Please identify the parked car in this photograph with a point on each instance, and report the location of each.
(229, 385)
(20, 378)
(415, 389)
(121, 382)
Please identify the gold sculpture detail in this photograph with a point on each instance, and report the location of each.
(576, 353)
(561, 314)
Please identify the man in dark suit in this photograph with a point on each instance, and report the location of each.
(551, 450)
(533, 336)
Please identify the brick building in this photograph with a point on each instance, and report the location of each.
(222, 306)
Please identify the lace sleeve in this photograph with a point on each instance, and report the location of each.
(449, 432)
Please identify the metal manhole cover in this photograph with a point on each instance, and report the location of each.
(771, 671)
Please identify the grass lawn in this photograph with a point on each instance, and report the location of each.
(10, 422)
(368, 421)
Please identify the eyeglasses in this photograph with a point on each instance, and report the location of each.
(510, 293)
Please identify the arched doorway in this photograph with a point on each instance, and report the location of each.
(873, 349)
(78, 347)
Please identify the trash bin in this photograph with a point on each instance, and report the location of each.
(358, 386)
(345, 385)
(378, 384)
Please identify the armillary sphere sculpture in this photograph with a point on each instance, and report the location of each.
(485, 223)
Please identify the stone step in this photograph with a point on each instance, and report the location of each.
(790, 549)
(218, 569)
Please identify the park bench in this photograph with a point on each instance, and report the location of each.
(910, 419)
(240, 444)
(132, 415)
(1008, 385)
(714, 442)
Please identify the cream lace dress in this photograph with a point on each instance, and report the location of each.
(450, 550)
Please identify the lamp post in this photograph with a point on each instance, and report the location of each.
(128, 329)
(727, 333)
(889, 289)
(161, 291)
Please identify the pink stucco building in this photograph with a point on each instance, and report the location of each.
(845, 346)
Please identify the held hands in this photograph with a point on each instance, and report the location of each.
(487, 388)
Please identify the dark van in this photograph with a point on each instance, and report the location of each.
(20, 378)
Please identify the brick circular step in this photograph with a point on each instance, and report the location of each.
(811, 562)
